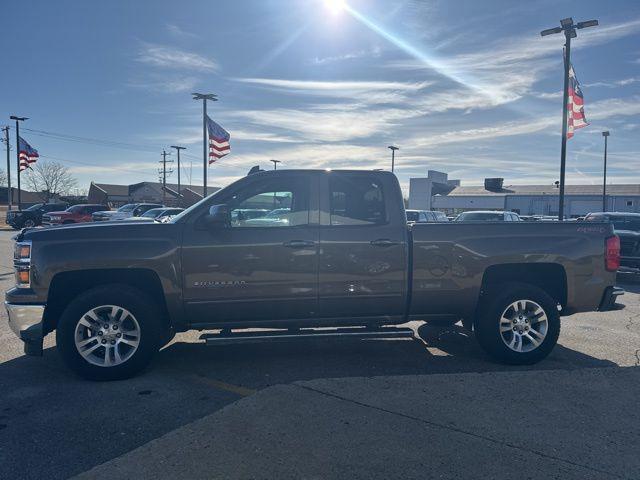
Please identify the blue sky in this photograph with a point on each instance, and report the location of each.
(462, 86)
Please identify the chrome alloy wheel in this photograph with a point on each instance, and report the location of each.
(523, 326)
(107, 335)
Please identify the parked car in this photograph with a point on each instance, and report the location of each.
(73, 214)
(156, 214)
(32, 216)
(115, 294)
(488, 216)
(425, 216)
(278, 216)
(126, 211)
(627, 227)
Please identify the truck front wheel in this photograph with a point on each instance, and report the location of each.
(110, 332)
(518, 324)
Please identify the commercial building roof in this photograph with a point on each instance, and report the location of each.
(628, 189)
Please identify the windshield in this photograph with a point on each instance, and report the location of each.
(127, 208)
(480, 217)
(37, 206)
(75, 208)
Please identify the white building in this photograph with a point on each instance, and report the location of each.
(523, 199)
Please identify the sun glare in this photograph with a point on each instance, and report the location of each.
(335, 6)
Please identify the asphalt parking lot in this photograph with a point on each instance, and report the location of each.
(432, 407)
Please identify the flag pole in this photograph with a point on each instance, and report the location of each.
(563, 149)
(569, 29)
(205, 157)
(205, 148)
(18, 120)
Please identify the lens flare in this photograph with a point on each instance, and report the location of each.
(335, 6)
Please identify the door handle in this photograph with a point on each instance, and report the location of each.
(299, 244)
(383, 242)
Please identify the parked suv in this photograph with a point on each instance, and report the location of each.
(627, 227)
(488, 216)
(32, 216)
(73, 214)
(126, 211)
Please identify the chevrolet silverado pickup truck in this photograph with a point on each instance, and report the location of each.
(337, 259)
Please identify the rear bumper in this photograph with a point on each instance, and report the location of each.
(609, 298)
(26, 323)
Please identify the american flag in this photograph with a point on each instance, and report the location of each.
(26, 154)
(218, 141)
(575, 105)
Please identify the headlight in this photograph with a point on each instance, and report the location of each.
(22, 264)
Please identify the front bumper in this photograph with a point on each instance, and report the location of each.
(26, 321)
(609, 298)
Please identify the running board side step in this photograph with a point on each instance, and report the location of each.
(249, 337)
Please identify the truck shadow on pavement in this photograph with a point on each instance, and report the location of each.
(42, 404)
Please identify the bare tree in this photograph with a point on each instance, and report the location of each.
(50, 179)
(3, 178)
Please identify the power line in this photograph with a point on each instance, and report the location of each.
(91, 141)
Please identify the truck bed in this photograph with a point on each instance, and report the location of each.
(451, 260)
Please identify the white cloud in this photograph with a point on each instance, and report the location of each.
(171, 57)
(178, 32)
(613, 84)
(164, 83)
(373, 53)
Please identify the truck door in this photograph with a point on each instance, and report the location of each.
(264, 265)
(363, 246)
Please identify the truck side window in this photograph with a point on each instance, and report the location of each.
(280, 202)
(356, 200)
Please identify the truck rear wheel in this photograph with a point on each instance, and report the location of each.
(518, 324)
(110, 332)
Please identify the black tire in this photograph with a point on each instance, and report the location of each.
(28, 223)
(487, 324)
(144, 310)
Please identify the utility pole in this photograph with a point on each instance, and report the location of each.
(178, 150)
(393, 155)
(275, 163)
(205, 147)
(6, 141)
(164, 173)
(569, 28)
(18, 120)
(604, 183)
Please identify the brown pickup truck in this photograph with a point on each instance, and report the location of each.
(329, 249)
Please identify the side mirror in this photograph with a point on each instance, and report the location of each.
(219, 215)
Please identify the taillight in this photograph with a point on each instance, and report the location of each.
(612, 253)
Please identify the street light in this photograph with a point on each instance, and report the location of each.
(18, 120)
(275, 163)
(569, 28)
(393, 155)
(178, 151)
(604, 184)
(205, 148)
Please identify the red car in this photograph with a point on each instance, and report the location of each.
(73, 214)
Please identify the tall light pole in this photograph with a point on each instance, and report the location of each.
(393, 155)
(18, 120)
(604, 183)
(569, 28)
(178, 150)
(205, 148)
(275, 163)
(6, 139)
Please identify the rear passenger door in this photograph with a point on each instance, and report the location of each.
(363, 246)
